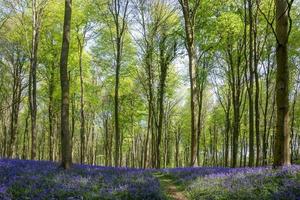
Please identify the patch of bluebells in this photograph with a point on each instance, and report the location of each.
(239, 183)
(24, 179)
(188, 174)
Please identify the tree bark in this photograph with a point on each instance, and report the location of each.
(250, 88)
(282, 136)
(227, 130)
(64, 81)
(199, 122)
(257, 91)
(36, 24)
(50, 112)
(116, 106)
(293, 110)
(16, 101)
(82, 118)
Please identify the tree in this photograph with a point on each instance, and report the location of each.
(167, 53)
(250, 87)
(37, 12)
(82, 27)
(189, 10)
(119, 11)
(132, 103)
(232, 50)
(282, 32)
(64, 82)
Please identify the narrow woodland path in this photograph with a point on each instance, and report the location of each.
(170, 188)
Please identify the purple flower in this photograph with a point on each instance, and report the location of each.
(24, 179)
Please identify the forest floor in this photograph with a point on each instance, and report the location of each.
(39, 180)
(171, 189)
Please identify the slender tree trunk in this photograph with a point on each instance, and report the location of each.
(177, 146)
(293, 122)
(117, 128)
(147, 137)
(199, 123)
(82, 119)
(250, 88)
(25, 136)
(227, 132)
(150, 114)
(106, 141)
(153, 142)
(110, 146)
(4, 139)
(257, 91)
(121, 149)
(245, 152)
(73, 107)
(268, 71)
(50, 113)
(293, 118)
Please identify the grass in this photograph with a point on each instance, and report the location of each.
(172, 189)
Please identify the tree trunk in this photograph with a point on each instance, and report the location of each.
(16, 101)
(65, 136)
(199, 123)
(293, 118)
(50, 113)
(250, 88)
(147, 136)
(25, 136)
(36, 22)
(257, 90)
(117, 128)
(73, 107)
(106, 141)
(177, 145)
(162, 85)
(82, 119)
(227, 131)
(282, 136)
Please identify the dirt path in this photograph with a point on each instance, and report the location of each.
(171, 189)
